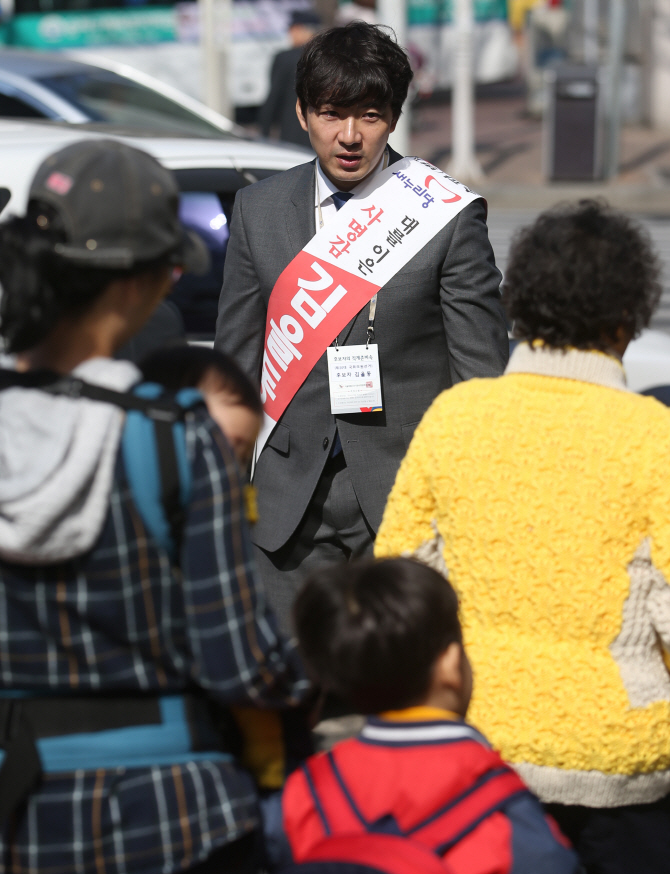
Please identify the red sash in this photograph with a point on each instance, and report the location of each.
(386, 223)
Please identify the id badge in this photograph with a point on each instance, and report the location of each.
(353, 376)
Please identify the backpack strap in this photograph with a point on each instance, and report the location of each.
(368, 853)
(337, 810)
(447, 826)
(153, 444)
(156, 408)
(156, 463)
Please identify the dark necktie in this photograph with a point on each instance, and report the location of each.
(339, 199)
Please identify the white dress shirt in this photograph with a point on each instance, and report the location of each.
(325, 190)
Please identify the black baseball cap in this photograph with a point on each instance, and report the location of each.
(119, 207)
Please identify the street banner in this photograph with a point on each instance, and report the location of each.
(92, 27)
(377, 232)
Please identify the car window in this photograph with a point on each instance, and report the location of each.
(107, 97)
(13, 107)
(197, 297)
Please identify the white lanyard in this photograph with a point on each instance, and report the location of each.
(373, 302)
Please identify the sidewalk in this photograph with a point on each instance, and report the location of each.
(509, 148)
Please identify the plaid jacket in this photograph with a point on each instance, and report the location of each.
(120, 618)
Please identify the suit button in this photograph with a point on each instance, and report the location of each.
(325, 443)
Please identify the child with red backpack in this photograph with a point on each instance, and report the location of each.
(385, 637)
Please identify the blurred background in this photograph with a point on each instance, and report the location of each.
(532, 101)
(564, 90)
(514, 41)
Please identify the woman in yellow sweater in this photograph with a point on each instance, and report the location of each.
(545, 497)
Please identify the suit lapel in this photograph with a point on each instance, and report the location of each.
(394, 156)
(300, 223)
(344, 336)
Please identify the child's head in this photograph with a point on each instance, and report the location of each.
(384, 635)
(231, 398)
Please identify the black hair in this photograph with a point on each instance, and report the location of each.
(371, 631)
(178, 367)
(353, 64)
(579, 273)
(38, 286)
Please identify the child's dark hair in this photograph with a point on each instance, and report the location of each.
(178, 367)
(371, 631)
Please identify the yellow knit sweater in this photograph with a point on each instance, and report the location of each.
(547, 494)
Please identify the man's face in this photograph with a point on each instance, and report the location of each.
(349, 140)
(300, 34)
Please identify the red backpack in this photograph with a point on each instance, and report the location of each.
(369, 854)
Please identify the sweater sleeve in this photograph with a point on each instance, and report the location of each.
(409, 518)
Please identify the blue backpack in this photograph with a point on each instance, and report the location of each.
(153, 446)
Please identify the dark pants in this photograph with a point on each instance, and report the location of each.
(242, 856)
(618, 840)
(333, 529)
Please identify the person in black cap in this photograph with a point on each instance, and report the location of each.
(130, 617)
(279, 107)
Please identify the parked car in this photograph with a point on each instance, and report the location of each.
(209, 173)
(53, 86)
(647, 363)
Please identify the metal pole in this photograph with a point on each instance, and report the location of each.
(210, 58)
(215, 42)
(617, 35)
(591, 20)
(464, 164)
(394, 14)
(225, 52)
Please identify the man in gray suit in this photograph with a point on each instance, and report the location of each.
(323, 480)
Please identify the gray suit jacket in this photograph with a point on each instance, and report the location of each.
(439, 321)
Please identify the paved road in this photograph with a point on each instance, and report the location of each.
(503, 224)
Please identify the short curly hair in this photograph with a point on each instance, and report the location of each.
(578, 274)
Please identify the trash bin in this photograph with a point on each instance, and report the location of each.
(572, 137)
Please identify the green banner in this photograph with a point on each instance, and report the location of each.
(441, 11)
(61, 30)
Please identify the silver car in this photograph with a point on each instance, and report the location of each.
(209, 172)
(52, 86)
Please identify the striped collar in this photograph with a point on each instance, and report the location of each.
(586, 366)
(387, 733)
